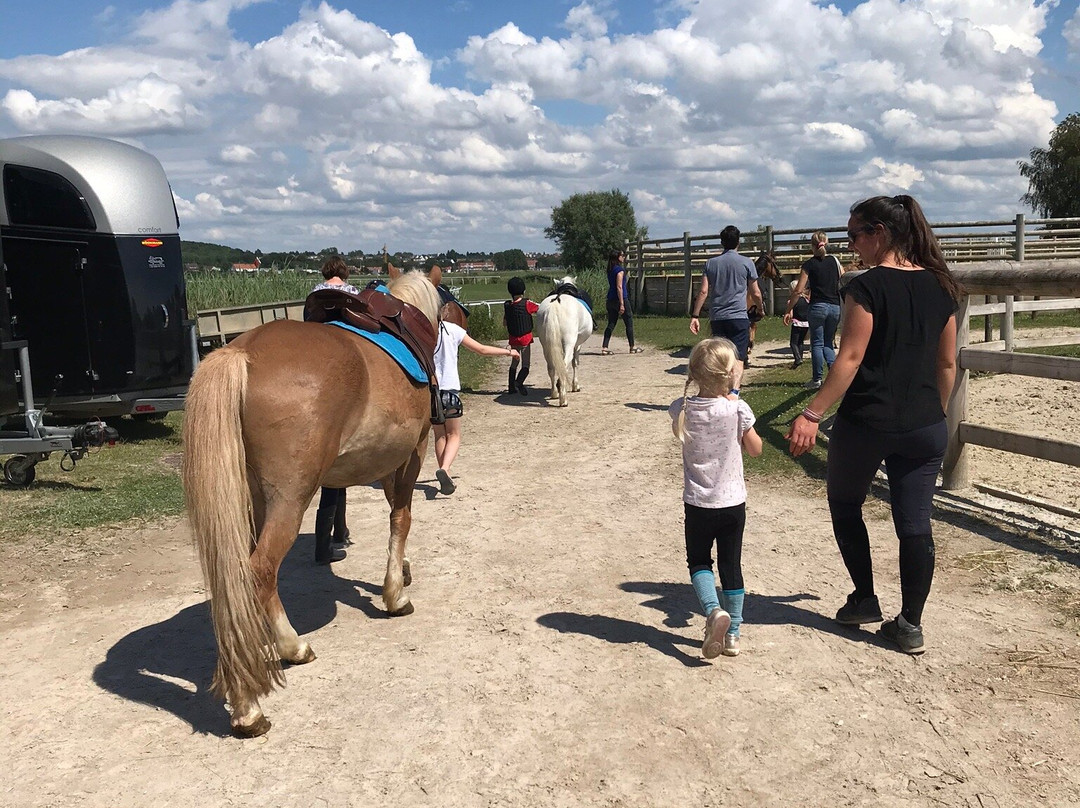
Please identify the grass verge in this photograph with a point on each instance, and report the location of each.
(137, 479)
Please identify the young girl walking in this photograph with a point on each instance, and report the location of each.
(715, 427)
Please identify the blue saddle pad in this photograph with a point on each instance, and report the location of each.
(393, 346)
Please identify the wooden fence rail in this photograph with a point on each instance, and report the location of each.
(1002, 278)
(1017, 239)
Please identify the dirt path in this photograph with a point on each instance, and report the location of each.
(553, 658)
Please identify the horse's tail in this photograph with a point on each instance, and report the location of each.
(219, 507)
(552, 334)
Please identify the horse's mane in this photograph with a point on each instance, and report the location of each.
(414, 287)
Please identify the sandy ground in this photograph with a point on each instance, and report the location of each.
(553, 658)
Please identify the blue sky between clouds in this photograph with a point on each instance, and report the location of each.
(501, 110)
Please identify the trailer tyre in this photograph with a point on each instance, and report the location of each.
(19, 471)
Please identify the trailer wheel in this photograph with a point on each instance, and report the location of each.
(19, 471)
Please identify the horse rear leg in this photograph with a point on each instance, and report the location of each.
(574, 386)
(398, 488)
(276, 535)
(276, 538)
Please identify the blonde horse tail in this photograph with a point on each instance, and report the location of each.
(220, 509)
(553, 339)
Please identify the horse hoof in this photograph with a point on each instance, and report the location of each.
(404, 610)
(305, 658)
(260, 727)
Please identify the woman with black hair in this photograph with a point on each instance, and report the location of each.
(895, 371)
(618, 302)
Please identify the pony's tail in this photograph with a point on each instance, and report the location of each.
(220, 510)
(553, 338)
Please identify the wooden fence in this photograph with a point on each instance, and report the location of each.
(1007, 280)
(665, 268)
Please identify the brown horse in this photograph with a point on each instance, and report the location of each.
(281, 410)
(765, 264)
(451, 310)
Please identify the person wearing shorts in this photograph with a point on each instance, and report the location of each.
(448, 434)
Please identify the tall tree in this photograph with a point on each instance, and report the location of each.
(587, 226)
(510, 261)
(1053, 174)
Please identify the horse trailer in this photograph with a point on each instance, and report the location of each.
(95, 283)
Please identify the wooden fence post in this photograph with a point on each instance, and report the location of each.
(1019, 247)
(1007, 323)
(955, 472)
(688, 271)
(639, 283)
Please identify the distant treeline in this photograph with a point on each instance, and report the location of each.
(200, 256)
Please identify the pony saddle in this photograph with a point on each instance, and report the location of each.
(375, 311)
(571, 290)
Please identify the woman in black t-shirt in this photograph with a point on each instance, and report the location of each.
(895, 371)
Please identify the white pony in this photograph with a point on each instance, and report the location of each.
(563, 323)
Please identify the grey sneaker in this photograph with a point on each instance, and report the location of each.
(716, 627)
(731, 644)
(905, 635)
(813, 384)
(856, 612)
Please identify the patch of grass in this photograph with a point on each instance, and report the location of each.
(138, 478)
(990, 561)
(774, 394)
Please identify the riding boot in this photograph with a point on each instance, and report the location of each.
(341, 530)
(511, 387)
(521, 381)
(324, 523)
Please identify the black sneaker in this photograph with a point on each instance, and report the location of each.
(446, 485)
(856, 612)
(905, 635)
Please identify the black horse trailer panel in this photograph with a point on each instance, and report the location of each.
(94, 275)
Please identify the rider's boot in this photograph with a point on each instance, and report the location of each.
(324, 523)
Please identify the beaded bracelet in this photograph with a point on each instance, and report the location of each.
(811, 416)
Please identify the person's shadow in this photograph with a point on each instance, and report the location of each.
(680, 606)
(169, 665)
(669, 598)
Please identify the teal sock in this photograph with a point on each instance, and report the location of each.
(733, 601)
(705, 586)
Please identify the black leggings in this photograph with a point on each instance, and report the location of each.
(725, 526)
(912, 462)
(613, 319)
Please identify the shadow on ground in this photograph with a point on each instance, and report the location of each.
(169, 665)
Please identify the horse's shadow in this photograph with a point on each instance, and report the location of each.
(169, 665)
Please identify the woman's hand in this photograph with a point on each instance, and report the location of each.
(802, 436)
(788, 318)
(695, 325)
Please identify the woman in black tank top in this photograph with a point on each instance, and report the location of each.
(895, 371)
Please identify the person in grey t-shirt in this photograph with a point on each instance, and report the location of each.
(726, 281)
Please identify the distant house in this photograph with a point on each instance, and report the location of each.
(475, 266)
(530, 263)
(248, 267)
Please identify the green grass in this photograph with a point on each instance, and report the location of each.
(775, 394)
(137, 479)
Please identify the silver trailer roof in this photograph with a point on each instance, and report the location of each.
(125, 187)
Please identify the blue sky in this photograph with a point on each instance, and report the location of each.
(437, 125)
